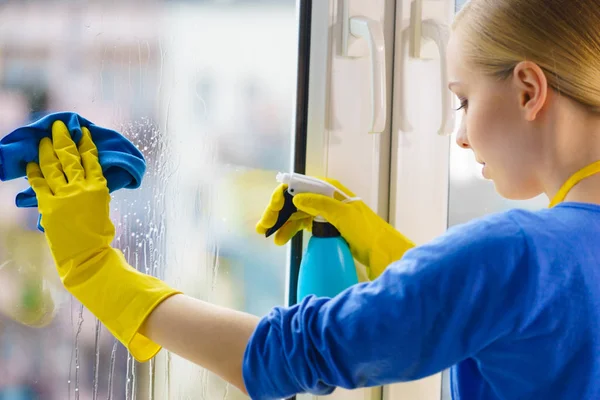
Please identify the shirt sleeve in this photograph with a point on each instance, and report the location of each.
(442, 303)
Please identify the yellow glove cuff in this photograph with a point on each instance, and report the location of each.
(122, 298)
(389, 246)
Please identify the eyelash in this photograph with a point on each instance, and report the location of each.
(464, 104)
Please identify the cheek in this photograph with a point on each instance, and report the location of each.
(480, 129)
(492, 128)
(497, 136)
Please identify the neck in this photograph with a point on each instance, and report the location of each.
(574, 144)
(586, 191)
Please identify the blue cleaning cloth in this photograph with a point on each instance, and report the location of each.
(122, 163)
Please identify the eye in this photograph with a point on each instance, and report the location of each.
(464, 104)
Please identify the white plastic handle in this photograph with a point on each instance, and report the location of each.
(440, 35)
(405, 125)
(372, 32)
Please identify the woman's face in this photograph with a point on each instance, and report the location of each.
(496, 125)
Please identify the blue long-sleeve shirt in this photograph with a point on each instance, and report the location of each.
(511, 302)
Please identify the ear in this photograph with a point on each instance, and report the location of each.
(532, 86)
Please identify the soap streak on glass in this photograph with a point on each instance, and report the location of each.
(111, 369)
(96, 360)
(151, 371)
(79, 325)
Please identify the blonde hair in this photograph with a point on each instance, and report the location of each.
(561, 36)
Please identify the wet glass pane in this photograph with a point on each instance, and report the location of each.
(206, 90)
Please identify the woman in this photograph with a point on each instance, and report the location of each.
(511, 301)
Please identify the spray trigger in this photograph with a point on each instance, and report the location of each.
(286, 212)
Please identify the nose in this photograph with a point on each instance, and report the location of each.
(461, 137)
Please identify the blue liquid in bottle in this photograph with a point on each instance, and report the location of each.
(327, 267)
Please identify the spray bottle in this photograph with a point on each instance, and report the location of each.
(327, 267)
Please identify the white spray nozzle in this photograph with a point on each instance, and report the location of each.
(298, 183)
(284, 177)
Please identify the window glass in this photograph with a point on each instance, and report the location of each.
(206, 90)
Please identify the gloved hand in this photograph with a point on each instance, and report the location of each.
(74, 203)
(372, 241)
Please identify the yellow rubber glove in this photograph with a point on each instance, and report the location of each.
(74, 203)
(373, 242)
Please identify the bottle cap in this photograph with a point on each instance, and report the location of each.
(324, 230)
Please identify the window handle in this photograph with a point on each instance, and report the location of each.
(371, 31)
